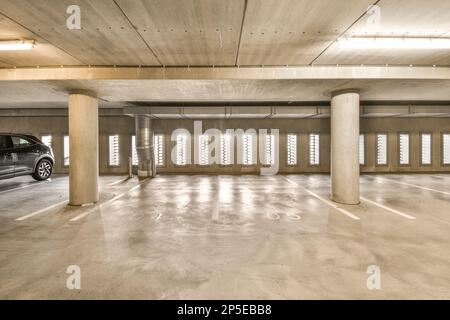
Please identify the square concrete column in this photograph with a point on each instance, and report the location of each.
(345, 147)
(83, 141)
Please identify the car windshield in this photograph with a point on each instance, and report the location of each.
(21, 142)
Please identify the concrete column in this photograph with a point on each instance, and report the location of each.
(83, 139)
(144, 146)
(345, 147)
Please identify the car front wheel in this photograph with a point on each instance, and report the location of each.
(43, 171)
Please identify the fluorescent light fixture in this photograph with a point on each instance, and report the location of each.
(16, 45)
(394, 43)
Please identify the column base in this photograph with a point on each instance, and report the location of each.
(348, 202)
(82, 204)
(144, 174)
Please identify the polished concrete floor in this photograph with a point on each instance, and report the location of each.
(227, 237)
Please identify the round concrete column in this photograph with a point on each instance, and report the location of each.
(83, 141)
(344, 147)
(144, 146)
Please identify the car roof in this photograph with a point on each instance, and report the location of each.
(25, 135)
(17, 134)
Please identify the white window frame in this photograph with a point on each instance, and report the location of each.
(225, 149)
(362, 149)
(248, 158)
(269, 150)
(159, 149)
(314, 149)
(430, 151)
(134, 155)
(48, 143)
(291, 149)
(404, 149)
(203, 150)
(377, 149)
(113, 150)
(446, 149)
(181, 150)
(66, 150)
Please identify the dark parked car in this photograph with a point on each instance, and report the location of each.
(22, 154)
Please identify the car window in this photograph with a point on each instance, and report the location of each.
(4, 142)
(20, 142)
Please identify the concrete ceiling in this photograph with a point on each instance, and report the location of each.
(217, 32)
(159, 35)
(399, 18)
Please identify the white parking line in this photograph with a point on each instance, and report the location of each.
(416, 186)
(84, 214)
(26, 186)
(215, 211)
(328, 202)
(118, 181)
(42, 210)
(388, 209)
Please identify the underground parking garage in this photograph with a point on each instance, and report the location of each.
(224, 150)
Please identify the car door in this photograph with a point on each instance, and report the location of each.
(6, 157)
(27, 152)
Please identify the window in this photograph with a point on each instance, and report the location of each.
(404, 148)
(362, 150)
(114, 150)
(134, 155)
(158, 147)
(47, 140)
(4, 142)
(247, 149)
(425, 148)
(314, 149)
(225, 149)
(382, 149)
(446, 148)
(66, 148)
(270, 150)
(203, 141)
(291, 149)
(20, 142)
(181, 150)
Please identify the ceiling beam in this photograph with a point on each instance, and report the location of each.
(227, 73)
(53, 112)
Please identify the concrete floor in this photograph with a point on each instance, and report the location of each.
(227, 237)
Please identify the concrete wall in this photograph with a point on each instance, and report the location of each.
(58, 127)
(124, 126)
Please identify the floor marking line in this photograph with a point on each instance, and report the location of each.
(23, 187)
(407, 216)
(417, 186)
(328, 202)
(118, 181)
(158, 216)
(84, 214)
(42, 210)
(215, 210)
